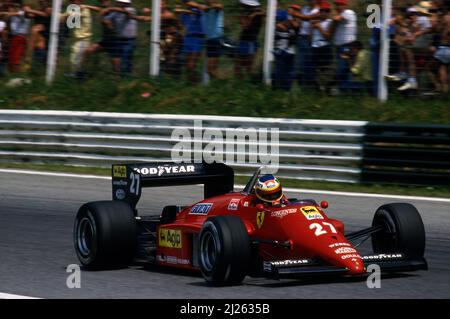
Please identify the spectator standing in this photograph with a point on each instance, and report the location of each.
(322, 50)
(360, 62)
(194, 38)
(401, 22)
(442, 54)
(305, 58)
(417, 42)
(284, 50)
(251, 20)
(171, 45)
(3, 37)
(436, 17)
(18, 26)
(82, 38)
(171, 39)
(40, 33)
(345, 31)
(126, 29)
(213, 26)
(396, 67)
(108, 42)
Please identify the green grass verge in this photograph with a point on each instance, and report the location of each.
(344, 187)
(238, 97)
(223, 97)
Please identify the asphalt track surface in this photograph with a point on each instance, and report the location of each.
(36, 220)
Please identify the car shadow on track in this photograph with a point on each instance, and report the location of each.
(319, 280)
(268, 283)
(168, 270)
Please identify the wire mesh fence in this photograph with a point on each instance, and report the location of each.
(334, 47)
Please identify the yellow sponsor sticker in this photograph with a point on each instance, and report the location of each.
(120, 171)
(311, 212)
(170, 238)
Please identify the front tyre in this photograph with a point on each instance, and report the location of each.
(105, 234)
(225, 250)
(402, 230)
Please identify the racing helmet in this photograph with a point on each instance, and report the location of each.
(268, 189)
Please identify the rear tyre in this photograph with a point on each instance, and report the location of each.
(105, 234)
(225, 250)
(403, 230)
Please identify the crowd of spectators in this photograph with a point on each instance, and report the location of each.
(420, 43)
(317, 42)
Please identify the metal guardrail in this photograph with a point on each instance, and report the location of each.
(309, 149)
(406, 154)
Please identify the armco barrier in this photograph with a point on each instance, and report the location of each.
(406, 154)
(342, 151)
(309, 149)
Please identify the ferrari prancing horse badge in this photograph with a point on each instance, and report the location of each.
(260, 219)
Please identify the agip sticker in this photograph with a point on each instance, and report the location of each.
(170, 238)
(311, 212)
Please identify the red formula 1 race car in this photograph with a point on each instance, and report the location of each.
(230, 235)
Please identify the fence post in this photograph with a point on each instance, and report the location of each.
(384, 51)
(268, 41)
(205, 75)
(52, 53)
(155, 38)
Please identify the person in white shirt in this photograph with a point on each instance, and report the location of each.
(322, 50)
(345, 24)
(345, 32)
(305, 15)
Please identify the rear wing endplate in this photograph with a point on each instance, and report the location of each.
(129, 179)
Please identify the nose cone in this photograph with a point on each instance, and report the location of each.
(315, 235)
(355, 265)
(344, 255)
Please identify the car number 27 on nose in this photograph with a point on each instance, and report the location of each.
(320, 230)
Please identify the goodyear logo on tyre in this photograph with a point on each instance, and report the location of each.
(120, 171)
(170, 238)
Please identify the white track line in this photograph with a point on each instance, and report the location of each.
(10, 296)
(370, 195)
(294, 190)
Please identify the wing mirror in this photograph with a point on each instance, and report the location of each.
(260, 207)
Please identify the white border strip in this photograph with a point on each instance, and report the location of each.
(294, 190)
(11, 296)
(180, 117)
(31, 172)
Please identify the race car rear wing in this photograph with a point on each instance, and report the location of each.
(129, 179)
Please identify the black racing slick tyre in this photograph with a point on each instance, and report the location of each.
(225, 250)
(402, 230)
(105, 235)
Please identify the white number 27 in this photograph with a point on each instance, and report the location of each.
(319, 228)
(135, 180)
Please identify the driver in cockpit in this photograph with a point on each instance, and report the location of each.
(268, 191)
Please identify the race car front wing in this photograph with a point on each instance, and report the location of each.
(394, 262)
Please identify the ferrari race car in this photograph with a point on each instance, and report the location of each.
(230, 235)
